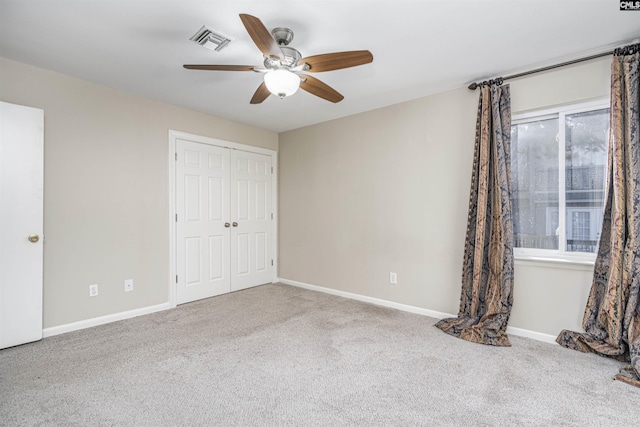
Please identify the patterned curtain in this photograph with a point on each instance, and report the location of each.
(612, 316)
(487, 271)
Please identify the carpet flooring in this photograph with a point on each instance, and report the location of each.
(279, 355)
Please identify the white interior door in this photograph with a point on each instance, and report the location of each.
(251, 261)
(21, 223)
(202, 222)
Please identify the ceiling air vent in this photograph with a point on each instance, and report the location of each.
(211, 39)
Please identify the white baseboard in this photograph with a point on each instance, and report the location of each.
(371, 300)
(411, 309)
(538, 336)
(75, 326)
(69, 327)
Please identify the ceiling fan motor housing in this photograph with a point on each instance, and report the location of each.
(291, 58)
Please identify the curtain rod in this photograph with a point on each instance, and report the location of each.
(474, 86)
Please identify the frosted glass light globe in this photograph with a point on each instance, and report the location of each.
(282, 82)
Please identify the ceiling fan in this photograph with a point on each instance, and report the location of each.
(284, 66)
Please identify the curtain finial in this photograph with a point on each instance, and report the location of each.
(627, 50)
(497, 81)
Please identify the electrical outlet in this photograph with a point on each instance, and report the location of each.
(93, 290)
(393, 278)
(128, 285)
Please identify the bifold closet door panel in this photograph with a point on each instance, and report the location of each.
(203, 221)
(251, 212)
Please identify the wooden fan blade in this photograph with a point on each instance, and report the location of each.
(317, 88)
(220, 67)
(337, 61)
(261, 94)
(261, 37)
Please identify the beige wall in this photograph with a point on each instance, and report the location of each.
(361, 196)
(106, 188)
(387, 190)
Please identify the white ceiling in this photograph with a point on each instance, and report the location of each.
(419, 47)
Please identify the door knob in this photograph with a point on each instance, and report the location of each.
(235, 224)
(226, 224)
(33, 238)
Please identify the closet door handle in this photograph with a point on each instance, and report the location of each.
(226, 224)
(235, 224)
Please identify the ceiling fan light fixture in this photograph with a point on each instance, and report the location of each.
(282, 83)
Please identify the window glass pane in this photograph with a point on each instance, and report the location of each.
(585, 171)
(534, 177)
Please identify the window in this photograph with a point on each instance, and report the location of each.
(580, 226)
(558, 174)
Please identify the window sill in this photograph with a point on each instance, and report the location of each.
(567, 264)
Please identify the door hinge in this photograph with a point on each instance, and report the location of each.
(271, 169)
(271, 262)
(272, 216)
(176, 278)
(176, 157)
(176, 217)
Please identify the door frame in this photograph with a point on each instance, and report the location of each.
(173, 137)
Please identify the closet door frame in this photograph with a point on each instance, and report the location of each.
(173, 137)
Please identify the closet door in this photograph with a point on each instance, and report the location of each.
(251, 261)
(203, 221)
(223, 220)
